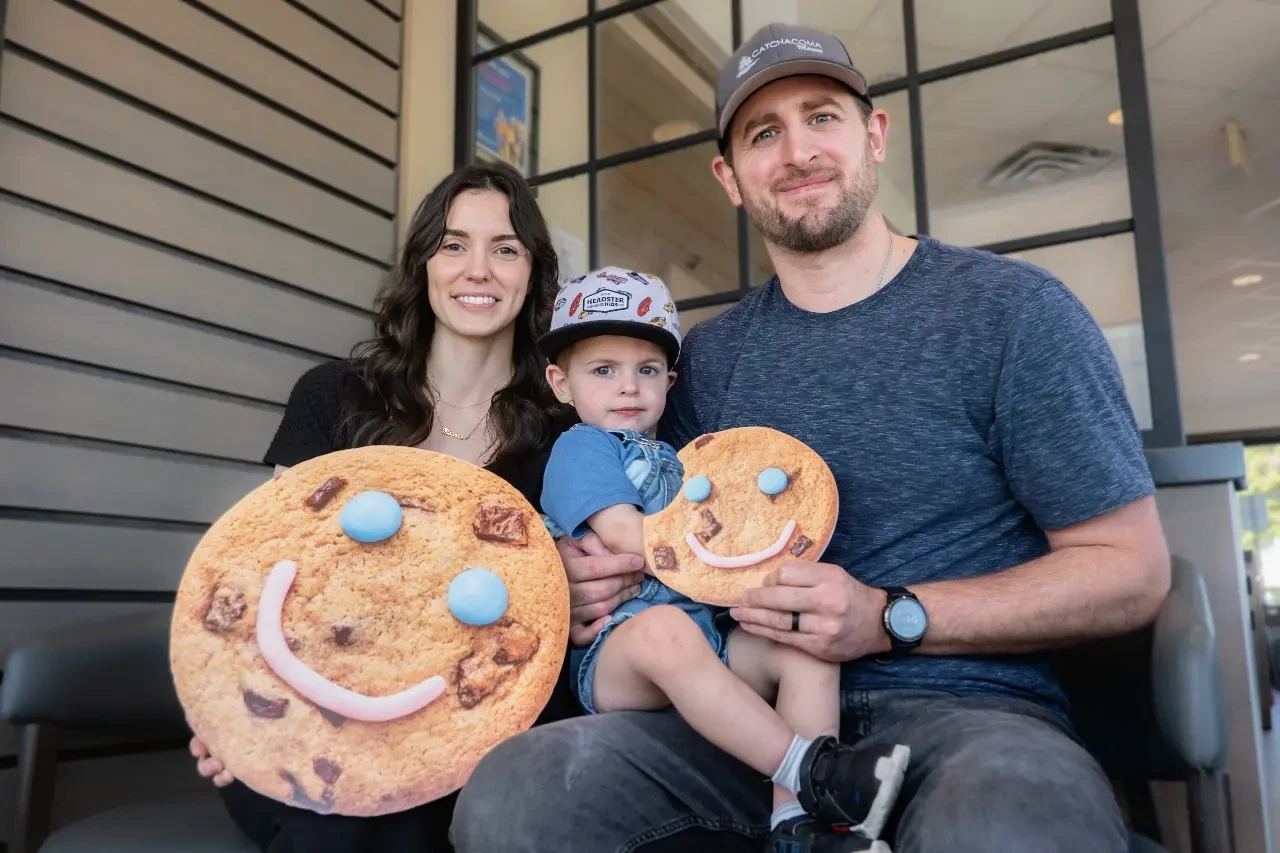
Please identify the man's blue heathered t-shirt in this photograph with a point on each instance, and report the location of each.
(967, 406)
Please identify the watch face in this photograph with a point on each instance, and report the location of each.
(907, 619)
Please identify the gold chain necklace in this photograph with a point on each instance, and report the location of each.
(444, 429)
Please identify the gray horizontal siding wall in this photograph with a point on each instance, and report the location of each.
(197, 203)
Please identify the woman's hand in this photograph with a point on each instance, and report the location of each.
(599, 581)
(210, 767)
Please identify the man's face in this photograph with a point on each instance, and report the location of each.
(804, 162)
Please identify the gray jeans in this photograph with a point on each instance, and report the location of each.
(987, 775)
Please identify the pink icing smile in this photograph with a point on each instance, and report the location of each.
(745, 559)
(315, 687)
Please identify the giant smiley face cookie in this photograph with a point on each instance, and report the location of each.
(753, 499)
(355, 635)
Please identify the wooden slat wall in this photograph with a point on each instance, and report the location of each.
(197, 203)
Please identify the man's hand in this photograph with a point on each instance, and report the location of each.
(598, 582)
(840, 617)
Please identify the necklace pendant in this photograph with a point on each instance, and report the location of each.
(444, 429)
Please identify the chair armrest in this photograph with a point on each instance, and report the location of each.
(112, 674)
(1185, 677)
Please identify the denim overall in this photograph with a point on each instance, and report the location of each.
(652, 467)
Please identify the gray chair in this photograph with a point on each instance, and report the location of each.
(1149, 705)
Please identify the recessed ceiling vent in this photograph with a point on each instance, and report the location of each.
(1040, 164)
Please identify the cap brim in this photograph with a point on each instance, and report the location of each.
(556, 340)
(791, 68)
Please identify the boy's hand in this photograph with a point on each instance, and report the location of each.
(599, 581)
(840, 617)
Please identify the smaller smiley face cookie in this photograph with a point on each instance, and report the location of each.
(355, 635)
(753, 499)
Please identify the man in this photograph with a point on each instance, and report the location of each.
(995, 506)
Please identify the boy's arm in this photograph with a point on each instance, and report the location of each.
(620, 527)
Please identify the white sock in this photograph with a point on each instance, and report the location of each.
(786, 811)
(788, 775)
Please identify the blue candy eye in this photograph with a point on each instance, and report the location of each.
(697, 489)
(371, 517)
(771, 481)
(477, 597)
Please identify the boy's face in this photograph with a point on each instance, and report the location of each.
(614, 382)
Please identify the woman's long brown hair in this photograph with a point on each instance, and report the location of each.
(392, 365)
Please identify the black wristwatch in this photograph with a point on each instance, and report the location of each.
(905, 620)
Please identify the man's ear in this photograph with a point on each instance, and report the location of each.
(559, 383)
(724, 174)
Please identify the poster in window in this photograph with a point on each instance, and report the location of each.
(506, 107)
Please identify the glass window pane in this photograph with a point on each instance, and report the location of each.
(668, 216)
(1103, 274)
(656, 72)
(870, 29)
(897, 185)
(564, 206)
(531, 106)
(1026, 148)
(949, 32)
(515, 19)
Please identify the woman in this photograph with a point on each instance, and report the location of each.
(452, 367)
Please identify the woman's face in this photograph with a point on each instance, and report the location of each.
(478, 280)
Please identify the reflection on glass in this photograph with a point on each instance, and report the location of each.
(668, 216)
(950, 32)
(655, 71)
(871, 30)
(531, 106)
(564, 206)
(515, 19)
(1103, 274)
(1025, 148)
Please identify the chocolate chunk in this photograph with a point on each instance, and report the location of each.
(712, 526)
(801, 545)
(226, 606)
(499, 523)
(664, 559)
(342, 634)
(703, 441)
(261, 706)
(326, 770)
(325, 493)
(333, 719)
(516, 645)
(302, 798)
(415, 503)
(477, 677)
(291, 640)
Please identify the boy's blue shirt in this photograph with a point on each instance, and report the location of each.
(589, 471)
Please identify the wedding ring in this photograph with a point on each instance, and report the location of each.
(795, 620)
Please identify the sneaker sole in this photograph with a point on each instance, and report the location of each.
(890, 770)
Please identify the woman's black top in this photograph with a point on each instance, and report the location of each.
(313, 426)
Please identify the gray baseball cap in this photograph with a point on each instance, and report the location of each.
(781, 50)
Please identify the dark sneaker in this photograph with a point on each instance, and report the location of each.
(804, 834)
(852, 788)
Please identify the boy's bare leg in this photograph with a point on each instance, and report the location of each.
(659, 657)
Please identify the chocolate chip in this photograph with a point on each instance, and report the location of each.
(291, 640)
(801, 545)
(333, 719)
(415, 503)
(477, 677)
(302, 798)
(499, 523)
(342, 634)
(325, 493)
(712, 526)
(226, 606)
(261, 706)
(326, 770)
(516, 645)
(664, 559)
(703, 441)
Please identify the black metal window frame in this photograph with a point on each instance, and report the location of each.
(1144, 222)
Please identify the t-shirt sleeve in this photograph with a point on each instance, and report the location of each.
(309, 426)
(1064, 428)
(679, 423)
(584, 475)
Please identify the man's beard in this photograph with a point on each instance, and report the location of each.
(818, 230)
